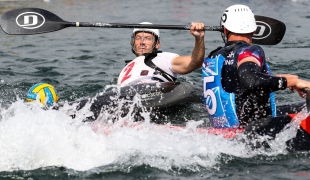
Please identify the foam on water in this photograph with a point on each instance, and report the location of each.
(31, 137)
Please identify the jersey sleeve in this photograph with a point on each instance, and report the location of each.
(164, 62)
(252, 51)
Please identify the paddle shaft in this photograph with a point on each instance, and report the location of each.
(157, 26)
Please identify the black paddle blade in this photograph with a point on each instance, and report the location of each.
(269, 31)
(26, 21)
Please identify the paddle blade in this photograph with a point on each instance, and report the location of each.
(26, 21)
(269, 31)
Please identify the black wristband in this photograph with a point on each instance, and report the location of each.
(282, 83)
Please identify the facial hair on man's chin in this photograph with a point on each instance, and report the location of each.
(141, 52)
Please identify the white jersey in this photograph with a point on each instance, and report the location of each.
(137, 72)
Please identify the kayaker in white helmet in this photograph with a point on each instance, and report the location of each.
(152, 65)
(238, 85)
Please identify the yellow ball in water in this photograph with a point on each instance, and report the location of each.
(46, 92)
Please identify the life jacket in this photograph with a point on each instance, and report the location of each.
(220, 104)
(141, 68)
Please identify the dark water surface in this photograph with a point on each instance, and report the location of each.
(80, 62)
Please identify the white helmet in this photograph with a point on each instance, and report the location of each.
(154, 31)
(239, 19)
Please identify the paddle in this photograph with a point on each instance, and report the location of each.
(28, 21)
(307, 91)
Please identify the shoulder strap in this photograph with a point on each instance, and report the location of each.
(226, 50)
(211, 53)
(148, 61)
(127, 61)
(230, 47)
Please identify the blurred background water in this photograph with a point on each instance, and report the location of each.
(80, 62)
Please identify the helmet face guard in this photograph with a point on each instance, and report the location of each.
(132, 42)
(154, 32)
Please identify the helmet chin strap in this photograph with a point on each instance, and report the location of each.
(224, 36)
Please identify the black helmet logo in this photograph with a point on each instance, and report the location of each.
(224, 17)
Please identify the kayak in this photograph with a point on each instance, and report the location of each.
(160, 97)
(169, 96)
(153, 97)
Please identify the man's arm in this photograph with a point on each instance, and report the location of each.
(252, 78)
(187, 64)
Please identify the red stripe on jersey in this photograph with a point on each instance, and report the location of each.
(248, 53)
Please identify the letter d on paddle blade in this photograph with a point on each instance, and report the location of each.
(269, 31)
(28, 21)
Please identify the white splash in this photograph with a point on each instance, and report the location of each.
(31, 137)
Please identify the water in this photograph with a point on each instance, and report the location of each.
(80, 62)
